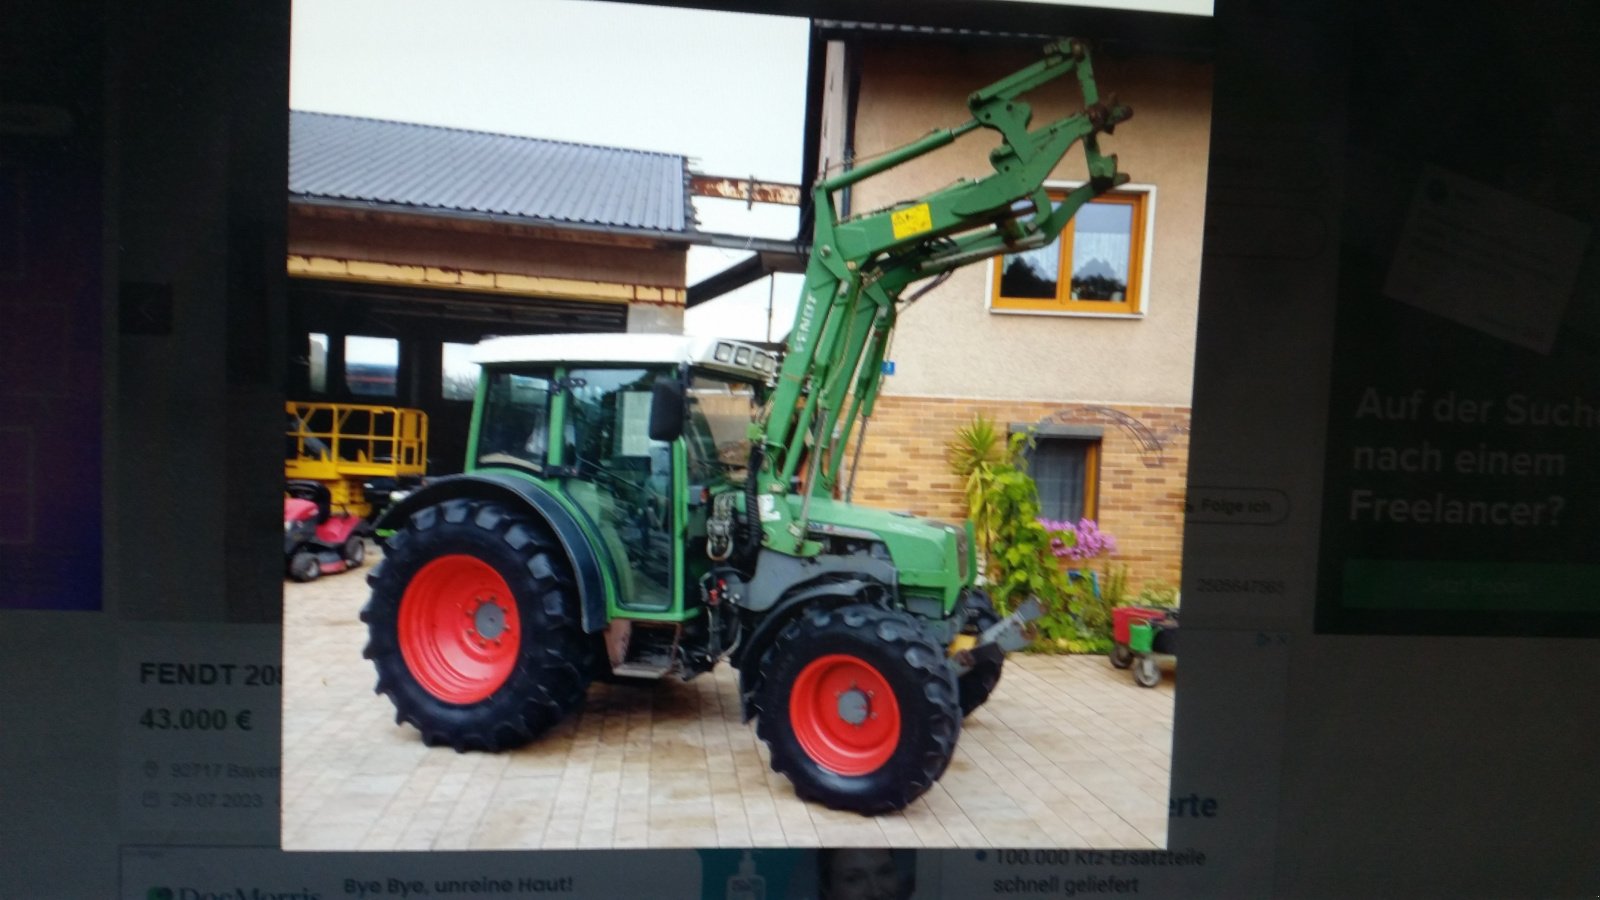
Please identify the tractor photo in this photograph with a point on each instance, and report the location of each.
(645, 506)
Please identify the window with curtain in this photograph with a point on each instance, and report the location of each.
(1066, 469)
(1097, 265)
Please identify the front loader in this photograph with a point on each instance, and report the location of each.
(642, 506)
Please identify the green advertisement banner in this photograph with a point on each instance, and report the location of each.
(1461, 483)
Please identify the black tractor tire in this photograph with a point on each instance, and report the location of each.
(354, 551)
(1121, 656)
(546, 672)
(303, 566)
(977, 683)
(797, 708)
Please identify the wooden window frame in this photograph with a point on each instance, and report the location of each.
(1142, 198)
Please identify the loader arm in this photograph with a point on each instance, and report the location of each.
(832, 368)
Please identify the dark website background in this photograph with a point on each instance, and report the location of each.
(1463, 492)
(1344, 765)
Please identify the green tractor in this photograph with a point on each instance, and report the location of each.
(642, 506)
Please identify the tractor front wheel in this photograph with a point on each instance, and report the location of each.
(858, 707)
(354, 551)
(472, 625)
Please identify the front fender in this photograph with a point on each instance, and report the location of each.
(519, 494)
(832, 581)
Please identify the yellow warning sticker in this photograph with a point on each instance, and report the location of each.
(910, 221)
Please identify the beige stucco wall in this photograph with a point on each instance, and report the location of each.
(948, 344)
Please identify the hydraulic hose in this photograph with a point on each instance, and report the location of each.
(753, 535)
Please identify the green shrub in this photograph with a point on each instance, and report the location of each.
(1017, 550)
(977, 450)
(1157, 593)
(1096, 645)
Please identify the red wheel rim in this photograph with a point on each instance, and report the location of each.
(844, 715)
(459, 629)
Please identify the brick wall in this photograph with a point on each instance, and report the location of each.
(1144, 455)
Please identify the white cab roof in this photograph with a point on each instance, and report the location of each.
(648, 349)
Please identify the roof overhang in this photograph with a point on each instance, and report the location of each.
(440, 214)
(782, 256)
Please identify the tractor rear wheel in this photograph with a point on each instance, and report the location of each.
(979, 682)
(472, 625)
(858, 707)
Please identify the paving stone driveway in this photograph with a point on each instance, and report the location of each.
(1068, 752)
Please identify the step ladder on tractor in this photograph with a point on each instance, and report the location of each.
(343, 463)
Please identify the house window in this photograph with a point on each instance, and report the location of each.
(1067, 471)
(1096, 266)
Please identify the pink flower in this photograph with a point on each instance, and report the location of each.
(1088, 540)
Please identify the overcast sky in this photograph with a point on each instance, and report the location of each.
(725, 89)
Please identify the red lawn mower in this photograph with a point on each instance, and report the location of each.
(316, 542)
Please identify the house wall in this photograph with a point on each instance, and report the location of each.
(1141, 486)
(948, 344)
(1130, 377)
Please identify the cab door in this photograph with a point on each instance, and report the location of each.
(623, 481)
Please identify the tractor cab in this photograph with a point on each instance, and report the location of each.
(574, 413)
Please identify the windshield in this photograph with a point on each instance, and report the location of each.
(718, 431)
(515, 426)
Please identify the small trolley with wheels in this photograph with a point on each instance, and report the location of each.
(1141, 636)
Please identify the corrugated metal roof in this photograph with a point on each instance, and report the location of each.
(449, 169)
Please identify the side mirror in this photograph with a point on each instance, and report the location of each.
(668, 409)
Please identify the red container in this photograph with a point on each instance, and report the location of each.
(1123, 616)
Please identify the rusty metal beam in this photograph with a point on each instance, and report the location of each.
(750, 190)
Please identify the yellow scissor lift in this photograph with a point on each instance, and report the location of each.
(345, 446)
